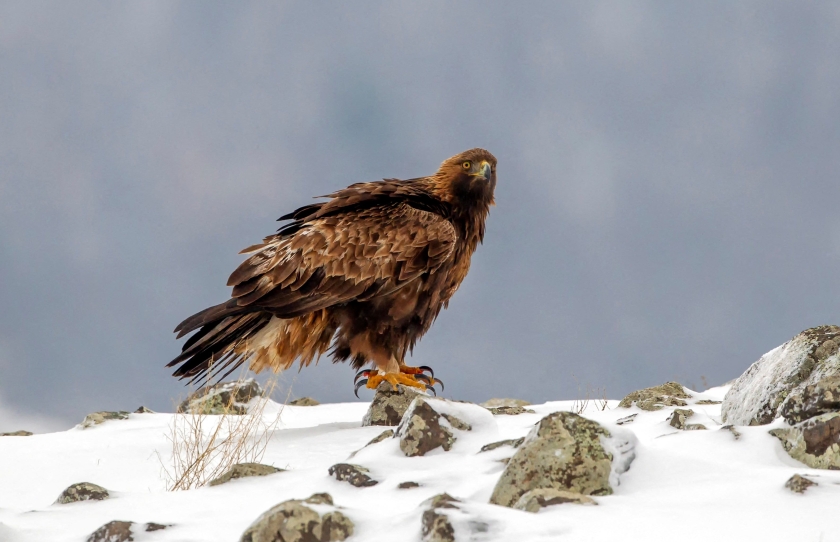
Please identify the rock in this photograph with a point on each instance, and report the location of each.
(355, 475)
(122, 531)
(293, 521)
(97, 418)
(223, 398)
(384, 435)
(695, 427)
(625, 420)
(784, 374)
(388, 406)
(798, 484)
(516, 443)
(457, 423)
(151, 527)
(567, 452)
(304, 401)
(536, 499)
(20, 433)
(408, 485)
(497, 402)
(83, 491)
(812, 400)
(678, 417)
(143, 410)
(815, 442)
(668, 394)
(707, 402)
(435, 524)
(421, 431)
(510, 410)
(244, 470)
(731, 429)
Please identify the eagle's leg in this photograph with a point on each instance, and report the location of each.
(394, 379)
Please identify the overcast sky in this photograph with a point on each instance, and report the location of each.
(667, 205)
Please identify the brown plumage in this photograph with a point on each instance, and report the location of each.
(363, 274)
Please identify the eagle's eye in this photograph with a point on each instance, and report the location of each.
(467, 165)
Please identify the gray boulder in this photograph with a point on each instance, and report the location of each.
(97, 418)
(389, 406)
(423, 429)
(244, 470)
(355, 475)
(797, 378)
(294, 521)
(223, 398)
(657, 397)
(537, 499)
(567, 452)
(815, 442)
(83, 491)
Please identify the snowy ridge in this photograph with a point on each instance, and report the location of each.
(690, 485)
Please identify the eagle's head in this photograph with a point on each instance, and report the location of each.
(468, 179)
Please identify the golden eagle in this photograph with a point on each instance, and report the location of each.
(363, 275)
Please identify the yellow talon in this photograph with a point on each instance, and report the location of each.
(394, 379)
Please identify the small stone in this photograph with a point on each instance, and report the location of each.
(707, 402)
(384, 435)
(627, 419)
(695, 427)
(389, 406)
(408, 485)
(114, 531)
(798, 484)
(815, 442)
(224, 398)
(510, 410)
(435, 525)
(498, 402)
(20, 433)
(657, 397)
(293, 521)
(516, 443)
(678, 417)
(244, 470)
(304, 401)
(151, 527)
(536, 499)
(421, 431)
(97, 418)
(83, 491)
(731, 429)
(144, 410)
(355, 475)
(319, 498)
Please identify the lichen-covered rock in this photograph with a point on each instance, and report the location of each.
(758, 396)
(97, 418)
(678, 417)
(516, 443)
(223, 398)
(497, 402)
(421, 430)
(815, 442)
(293, 521)
(83, 491)
(244, 470)
(798, 484)
(657, 397)
(20, 433)
(510, 410)
(355, 475)
(811, 400)
(389, 406)
(304, 401)
(568, 452)
(122, 531)
(435, 524)
(537, 499)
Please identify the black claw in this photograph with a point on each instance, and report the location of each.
(439, 381)
(431, 389)
(426, 379)
(428, 369)
(359, 384)
(363, 372)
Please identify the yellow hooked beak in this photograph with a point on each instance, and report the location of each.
(484, 170)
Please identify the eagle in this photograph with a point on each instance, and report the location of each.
(361, 276)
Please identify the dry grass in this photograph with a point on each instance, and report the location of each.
(595, 396)
(204, 447)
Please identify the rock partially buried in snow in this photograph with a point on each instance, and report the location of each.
(223, 398)
(678, 418)
(389, 406)
(421, 430)
(97, 418)
(815, 442)
(516, 443)
(304, 401)
(510, 410)
(122, 531)
(567, 452)
(435, 524)
(657, 397)
(812, 400)
(537, 499)
(784, 375)
(20, 433)
(244, 470)
(83, 491)
(384, 435)
(355, 475)
(293, 521)
(798, 484)
(499, 402)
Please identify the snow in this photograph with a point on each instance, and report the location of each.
(685, 485)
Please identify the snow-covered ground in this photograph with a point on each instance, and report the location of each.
(683, 485)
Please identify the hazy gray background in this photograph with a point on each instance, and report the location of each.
(667, 200)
